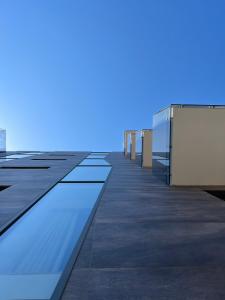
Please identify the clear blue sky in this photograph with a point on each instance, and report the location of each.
(75, 73)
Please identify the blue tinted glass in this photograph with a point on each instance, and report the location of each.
(17, 156)
(2, 140)
(96, 156)
(34, 153)
(161, 143)
(138, 142)
(157, 157)
(88, 174)
(35, 250)
(164, 162)
(5, 159)
(94, 162)
(99, 153)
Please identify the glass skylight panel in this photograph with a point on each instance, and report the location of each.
(5, 159)
(17, 155)
(99, 153)
(94, 162)
(36, 251)
(34, 153)
(96, 156)
(88, 174)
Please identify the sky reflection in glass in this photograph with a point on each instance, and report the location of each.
(94, 162)
(5, 159)
(96, 156)
(35, 250)
(99, 153)
(88, 174)
(17, 156)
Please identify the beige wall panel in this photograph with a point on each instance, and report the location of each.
(133, 146)
(125, 143)
(147, 149)
(198, 146)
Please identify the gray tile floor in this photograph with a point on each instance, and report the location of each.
(151, 241)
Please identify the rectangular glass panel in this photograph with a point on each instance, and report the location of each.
(94, 162)
(88, 174)
(99, 153)
(138, 143)
(2, 140)
(34, 153)
(157, 157)
(5, 159)
(17, 155)
(164, 162)
(96, 156)
(161, 143)
(35, 251)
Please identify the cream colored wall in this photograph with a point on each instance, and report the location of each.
(198, 146)
(147, 148)
(125, 143)
(133, 146)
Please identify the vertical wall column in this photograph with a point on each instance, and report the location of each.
(147, 148)
(133, 145)
(125, 142)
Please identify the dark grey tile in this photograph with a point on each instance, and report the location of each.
(85, 255)
(143, 209)
(146, 284)
(158, 244)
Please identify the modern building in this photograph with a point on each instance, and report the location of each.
(189, 145)
(80, 225)
(88, 225)
(138, 146)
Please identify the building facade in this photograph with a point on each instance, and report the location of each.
(81, 225)
(189, 145)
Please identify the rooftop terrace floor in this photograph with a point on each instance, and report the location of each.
(151, 241)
